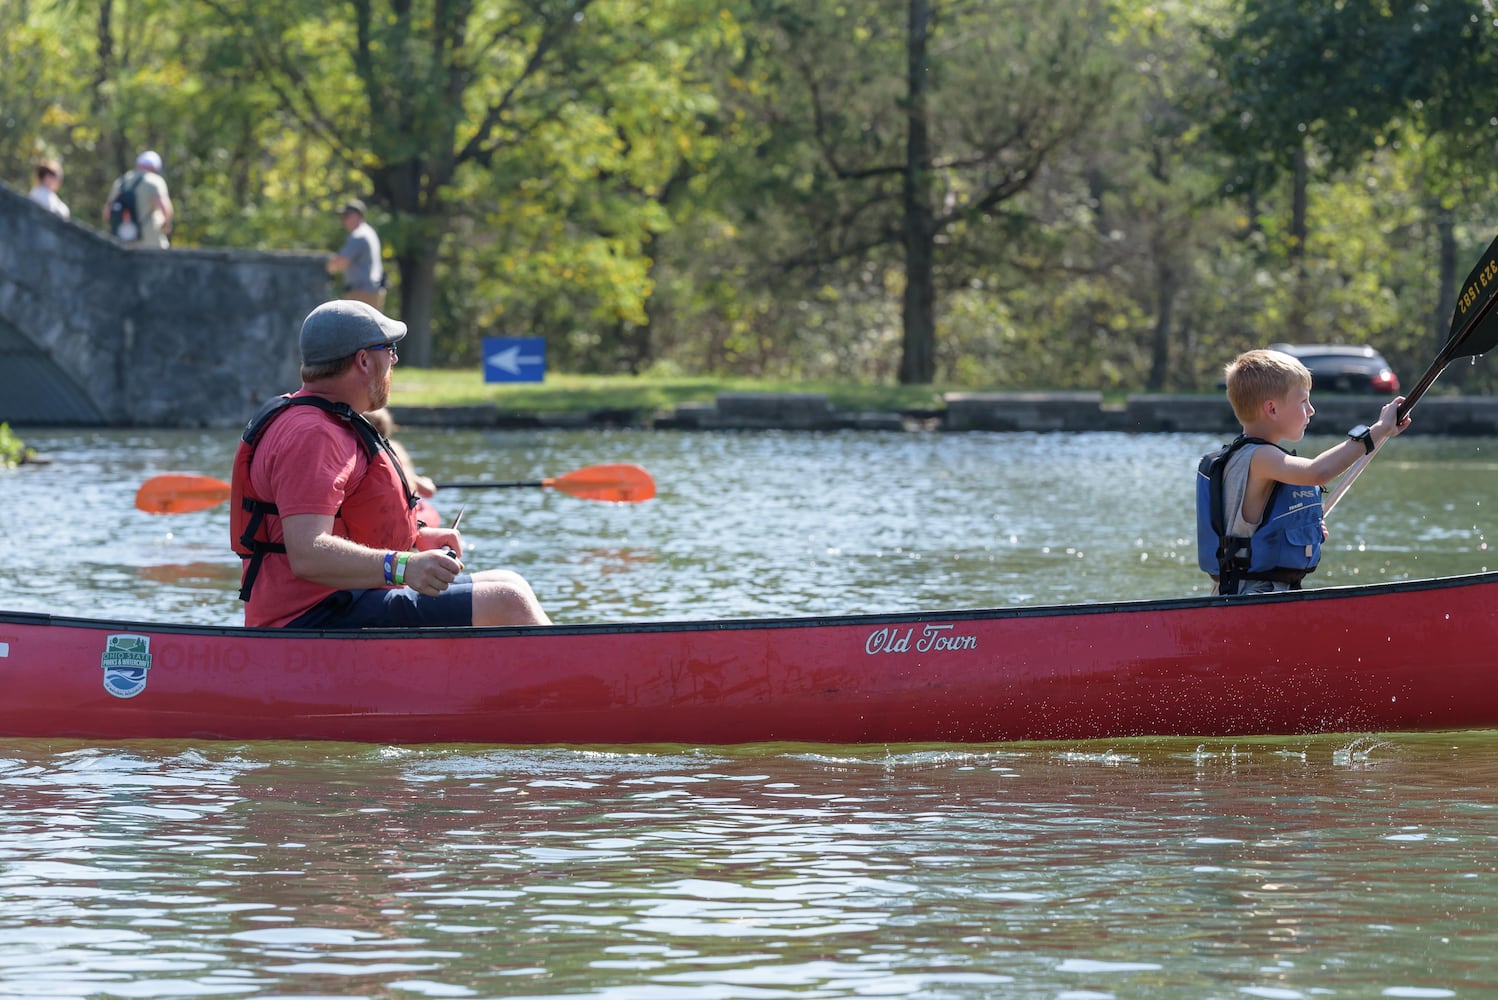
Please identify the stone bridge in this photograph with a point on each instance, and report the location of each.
(93, 333)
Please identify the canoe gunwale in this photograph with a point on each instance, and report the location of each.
(1153, 605)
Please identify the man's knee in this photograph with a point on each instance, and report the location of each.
(502, 597)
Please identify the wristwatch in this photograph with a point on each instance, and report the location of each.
(1362, 433)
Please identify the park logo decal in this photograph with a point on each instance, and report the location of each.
(126, 659)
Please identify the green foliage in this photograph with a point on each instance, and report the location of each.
(44, 97)
(13, 450)
(718, 190)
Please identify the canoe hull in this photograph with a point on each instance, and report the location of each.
(1397, 657)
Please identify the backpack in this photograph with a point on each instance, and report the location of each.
(122, 211)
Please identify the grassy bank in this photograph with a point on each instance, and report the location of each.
(562, 393)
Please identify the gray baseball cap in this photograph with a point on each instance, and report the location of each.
(345, 326)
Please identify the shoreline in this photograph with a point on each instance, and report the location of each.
(1464, 416)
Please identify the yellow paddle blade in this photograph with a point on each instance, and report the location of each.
(178, 493)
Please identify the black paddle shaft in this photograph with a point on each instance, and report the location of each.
(488, 486)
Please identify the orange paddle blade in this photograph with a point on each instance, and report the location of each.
(177, 493)
(617, 483)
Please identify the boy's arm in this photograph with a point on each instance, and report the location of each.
(1271, 464)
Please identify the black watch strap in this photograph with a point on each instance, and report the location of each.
(1363, 433)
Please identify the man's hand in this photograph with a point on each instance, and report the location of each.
(440, 538)
(431, 572)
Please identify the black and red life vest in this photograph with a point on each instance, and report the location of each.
(249, 516)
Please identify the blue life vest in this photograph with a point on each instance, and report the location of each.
(1284, 548)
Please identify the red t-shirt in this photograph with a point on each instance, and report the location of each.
(311, 462)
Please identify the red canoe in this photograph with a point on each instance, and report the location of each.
(1389, 657)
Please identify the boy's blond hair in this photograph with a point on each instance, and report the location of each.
(1256, 376)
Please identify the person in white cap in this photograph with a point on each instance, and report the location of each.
(139, 208)
(323, 516)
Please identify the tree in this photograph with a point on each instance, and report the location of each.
(410, 95)
(985, 97)
(1314, 88)
(1155, 191)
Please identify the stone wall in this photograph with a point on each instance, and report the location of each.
(94, 333)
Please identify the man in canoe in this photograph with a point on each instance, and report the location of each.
(1259, 524)
(321, 512)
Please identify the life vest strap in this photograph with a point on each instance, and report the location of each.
(257, 509)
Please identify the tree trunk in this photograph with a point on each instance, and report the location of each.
(1299, 230)
(639, 341)
(1165, 292)
(111, 143)
(918, 313)
(1446, 254)
(418, 271)
(1449, 277)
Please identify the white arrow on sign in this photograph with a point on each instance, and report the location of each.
(510, 359)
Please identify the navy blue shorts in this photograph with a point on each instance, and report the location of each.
(400, 607)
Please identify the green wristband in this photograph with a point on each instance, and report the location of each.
(400, 568)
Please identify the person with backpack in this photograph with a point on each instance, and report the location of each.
(1259, 524)
(139, 208)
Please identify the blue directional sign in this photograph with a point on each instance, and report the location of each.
(514, 359)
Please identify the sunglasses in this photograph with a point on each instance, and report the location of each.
(394, 357)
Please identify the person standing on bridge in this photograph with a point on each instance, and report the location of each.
(139, 208)
(322, 513)
(359, 258)
(48, 180)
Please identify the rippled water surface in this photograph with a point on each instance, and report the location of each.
(749, 524)
(1321, 867)
(1339, 866)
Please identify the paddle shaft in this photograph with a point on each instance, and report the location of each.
(454, 526)
(611, 482)
(490, 486)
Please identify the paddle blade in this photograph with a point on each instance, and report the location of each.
(1474, 326)
(180, 494)
(617, 483)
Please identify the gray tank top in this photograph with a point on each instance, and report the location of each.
(1235, 488)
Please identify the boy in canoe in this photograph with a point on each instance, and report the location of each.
(1259, 524)
(322, 514)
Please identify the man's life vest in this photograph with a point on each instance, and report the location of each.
(1284, 548)
(249, 515)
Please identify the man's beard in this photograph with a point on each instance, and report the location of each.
(379, 390)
